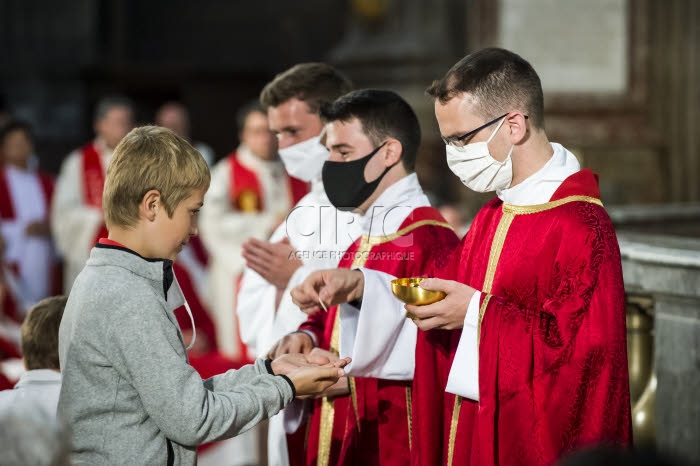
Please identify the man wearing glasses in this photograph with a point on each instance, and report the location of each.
(526, 354)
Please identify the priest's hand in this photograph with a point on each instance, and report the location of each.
(325, 288)
(288, 362)
(320, 356)
(38, 228)
(296, 342)
(340, 388)
(275, 262)
(447, 314)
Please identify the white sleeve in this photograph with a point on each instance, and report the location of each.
(13, 234)
(224, 230)
(261, 325)
(378, 337)
(256, 312)
(289, 317)
(295, 414)
(464, 374)
(74, 224)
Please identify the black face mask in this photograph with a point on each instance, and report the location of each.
(344, 182)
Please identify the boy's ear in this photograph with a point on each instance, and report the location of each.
(149, 205)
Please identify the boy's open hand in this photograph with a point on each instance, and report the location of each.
(313, 380)
(288, 363)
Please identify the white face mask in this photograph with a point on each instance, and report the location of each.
(305, 160)
(476, 168)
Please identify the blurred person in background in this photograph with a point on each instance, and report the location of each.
(453, 215)
(310, 238)
(176, 117)
(25, 200)
(77, 220)
(250, 195)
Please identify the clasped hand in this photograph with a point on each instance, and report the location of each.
(313, 373)
(275, 262)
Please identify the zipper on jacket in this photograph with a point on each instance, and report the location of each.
(171, 453)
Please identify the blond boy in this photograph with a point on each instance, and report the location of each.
(128, 391)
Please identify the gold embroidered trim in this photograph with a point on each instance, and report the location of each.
(453, 429)
(533, 209)
(509, 213)
(327, 406)
(325, 431)
(353, 395)
(482, 311)
(409, 411)
(494, 256)
(496, 248)
(362, 253)
(375, 240)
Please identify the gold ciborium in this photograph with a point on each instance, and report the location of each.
(409, 291)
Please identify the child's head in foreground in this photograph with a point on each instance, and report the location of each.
(154, 188)
(40, 334)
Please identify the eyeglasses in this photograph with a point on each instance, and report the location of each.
(464, 139)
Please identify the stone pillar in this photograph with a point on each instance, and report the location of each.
(667, 268)
(675, 59)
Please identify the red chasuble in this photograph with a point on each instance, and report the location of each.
(93, 181)
(373, 424)
(7, 208)
(246, 192)
(552, 351)
(7, 213)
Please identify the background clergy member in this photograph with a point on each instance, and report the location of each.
(77, 220)
(314, 230)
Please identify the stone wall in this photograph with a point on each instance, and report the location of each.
(667, 268)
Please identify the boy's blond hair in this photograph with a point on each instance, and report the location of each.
(151, 157)
(40, 333)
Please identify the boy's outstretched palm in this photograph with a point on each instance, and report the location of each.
(313, 380)
(313, 373)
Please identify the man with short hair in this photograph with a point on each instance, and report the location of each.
(39, 387)
(250, 196)
(76, 219)
(373, 138)
(313, 236)
(534, 364)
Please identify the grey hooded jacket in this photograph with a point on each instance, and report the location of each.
(128, 391)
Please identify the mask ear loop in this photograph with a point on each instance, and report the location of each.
(496, 130)
(189, 313)
(194, 329)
